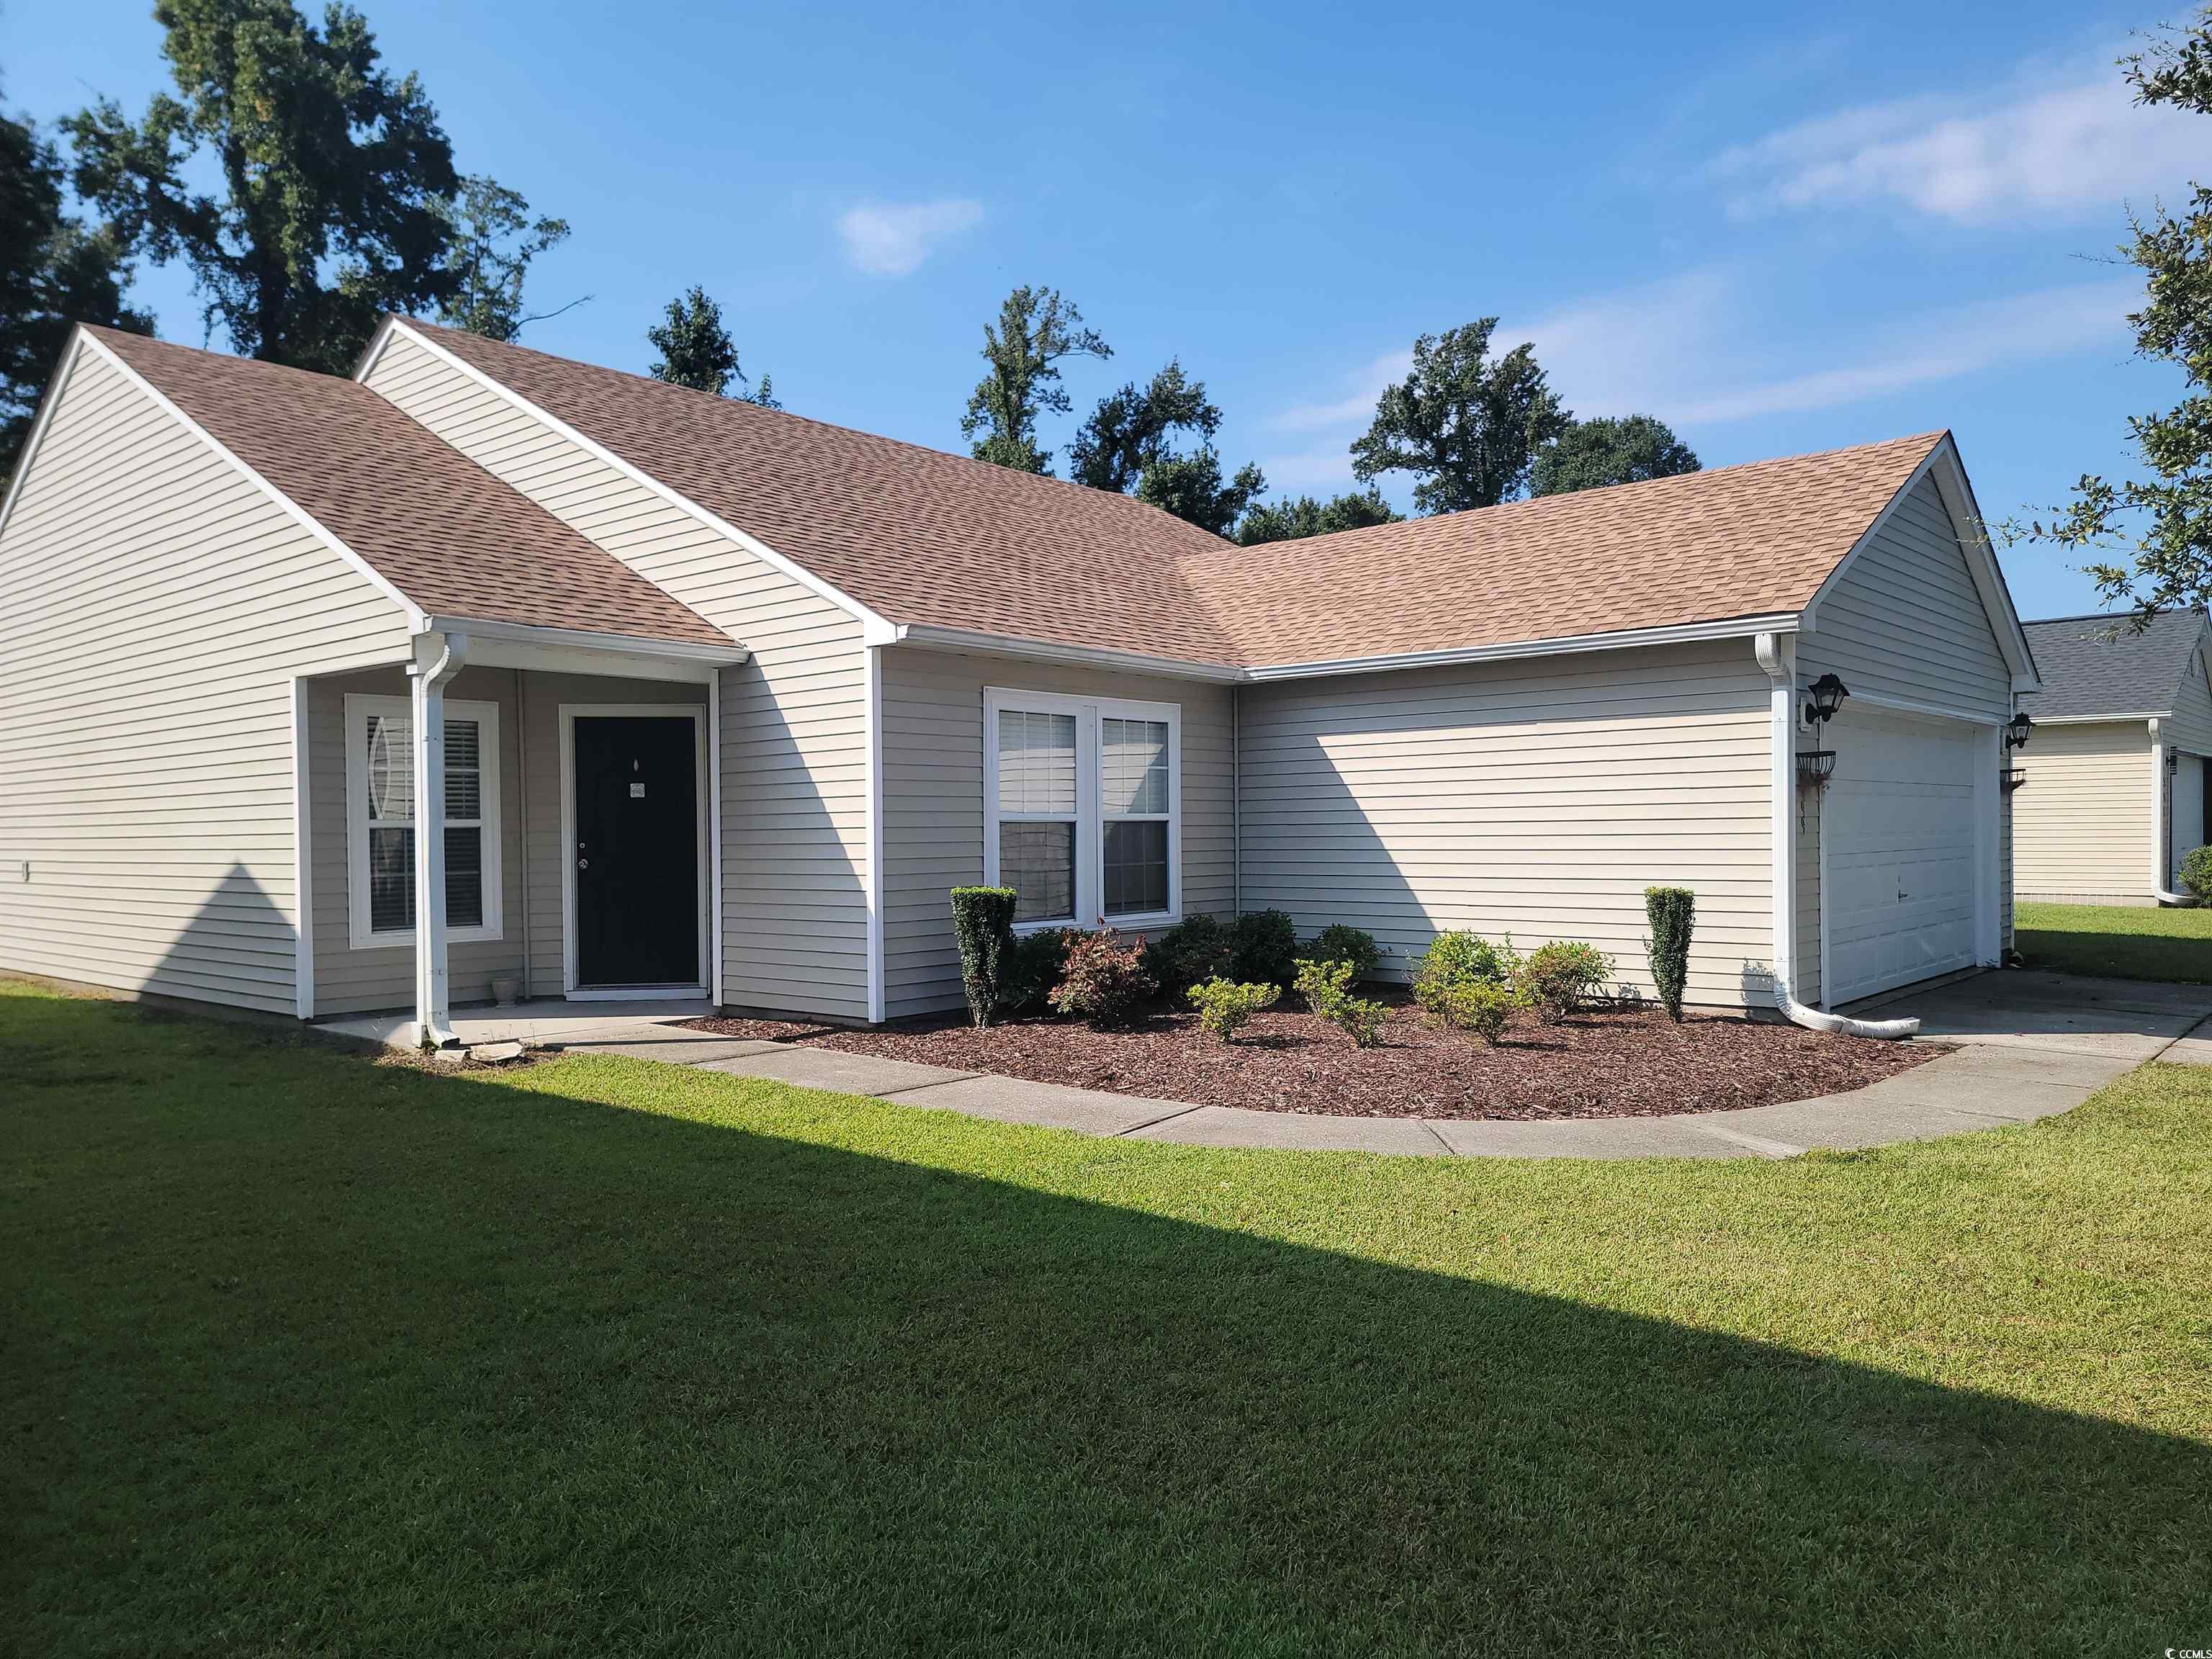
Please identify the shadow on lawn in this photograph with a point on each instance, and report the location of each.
(306, 1354)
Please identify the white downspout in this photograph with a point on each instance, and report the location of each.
(438, 657)
(2162, 819)
(1776, 656)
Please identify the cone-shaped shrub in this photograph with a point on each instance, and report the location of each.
(1672, 912)
(983, 929)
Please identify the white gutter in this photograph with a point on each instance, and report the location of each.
(1620, 640)
(2162, 819)
(1777, 655)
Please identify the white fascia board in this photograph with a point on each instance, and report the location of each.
(646, 481)
(416, 619)
(77, 340)
(1565, 645)
(636, 645)
(1088, 656)
(2128, 718)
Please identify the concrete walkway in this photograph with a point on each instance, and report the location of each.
(2022, 1046)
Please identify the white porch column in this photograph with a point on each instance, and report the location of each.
(438, 657)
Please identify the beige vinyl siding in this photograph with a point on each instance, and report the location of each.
(1906, 621)
(1808, 982)
(2081, 821)
(155, 606)
(794, 732)
(934, 800)
(1537, 798)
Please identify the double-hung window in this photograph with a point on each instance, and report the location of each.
(1081, 808)
(381, 820)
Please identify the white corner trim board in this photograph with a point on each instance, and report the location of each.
(2161, 812)
(1776, 654)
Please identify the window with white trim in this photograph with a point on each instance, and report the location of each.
(1082, 808)
(380, 821)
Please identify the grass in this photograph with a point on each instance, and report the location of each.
(2115, 941)
(306, 1353)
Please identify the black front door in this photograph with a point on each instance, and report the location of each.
(636, 851)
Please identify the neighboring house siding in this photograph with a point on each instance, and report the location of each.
(155, 606)
(1907, 621)
(2190, 727)
(934, 800)
(1537, 798)
(794, 752)
(2081, 821)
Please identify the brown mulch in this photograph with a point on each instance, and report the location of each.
(1619, 1062)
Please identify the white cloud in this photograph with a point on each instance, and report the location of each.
(892, 240)
(2080, 146)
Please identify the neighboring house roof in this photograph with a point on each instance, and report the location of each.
(453, 538)
(926, 539)
(2097, 666)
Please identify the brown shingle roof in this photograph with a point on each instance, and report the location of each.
(920, 536)
(432, 523)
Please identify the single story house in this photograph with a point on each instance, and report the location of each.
(325, 695)
(2113, 795)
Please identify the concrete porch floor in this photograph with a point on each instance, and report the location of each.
(547, 1023)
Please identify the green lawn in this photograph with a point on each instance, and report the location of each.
(304, 1353)
(2117, 941)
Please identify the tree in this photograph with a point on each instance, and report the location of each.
(696, 350)
(1594, 454)
(1294, 520)
(494, 240)
(2159, 525)
(1036, 329)
(334, 179)
(1190, 487)
(1126, 446)
(1466, 425)
(54, 272)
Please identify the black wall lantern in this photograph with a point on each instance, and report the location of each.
(2016, 731)
(1828, 694)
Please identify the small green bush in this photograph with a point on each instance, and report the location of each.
(1224, 1006)
(1482, 1006)
(1557, 979)
(2196, 873)
(1267, 947)
(1672, 912)
(1459, 958)
(983, 929)
(1339, 942)
(1327, 987)
(1195, 950)
(1038, 960)
(1104, 980)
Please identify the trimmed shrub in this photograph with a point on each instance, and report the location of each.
(1267, 947)
(1482, 1006)
(983, 929)
(1672, 912)
(1224, 1006)
(1104, 980)
(1459, 958)
(1195, 950)
(1037, 962)
(1559, 978)
(1339, 942)
(2196, 873)
(1327, 987)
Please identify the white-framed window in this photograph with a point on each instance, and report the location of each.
(380, 821)
(1082, 808)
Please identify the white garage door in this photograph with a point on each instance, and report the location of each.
(1899, 825)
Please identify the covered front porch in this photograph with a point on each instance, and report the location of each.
(516, 832)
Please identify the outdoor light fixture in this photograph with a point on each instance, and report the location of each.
(2016, 731)
(1828, 695)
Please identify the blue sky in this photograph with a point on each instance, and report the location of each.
(1779, 229)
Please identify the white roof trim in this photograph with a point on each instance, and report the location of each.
(1618, 640)
(292, 509)
(931, 638)
(752, 545)
(636, 645)
(2130, 719)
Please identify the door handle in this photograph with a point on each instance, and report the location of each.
(583, 864)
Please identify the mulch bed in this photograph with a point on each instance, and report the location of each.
(1623, 1062)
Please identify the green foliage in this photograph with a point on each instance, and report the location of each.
(1482, 1006)
(983, 929)
(1340, 942)
(1610, 450)
(1295, 519)
(2196, 873)
(1557, 979)
(1196, 949)
(1458, 959)
(1126, 446)
(494, 240)
(1104, 980)
(1266, 943)
(53, 271)
(1190, 488)
(1038, 960)
(696, 350)
(308, 190)
(1036, 329)
(1225, 1006)
(1327, 987)
(1672, 912)
(1468, 426)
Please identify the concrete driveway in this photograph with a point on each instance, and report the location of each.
(2121, 1020)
